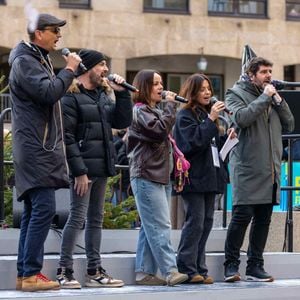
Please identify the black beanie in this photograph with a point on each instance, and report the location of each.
(90, 58)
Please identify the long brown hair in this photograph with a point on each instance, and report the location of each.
(143, 81)
(190, 90)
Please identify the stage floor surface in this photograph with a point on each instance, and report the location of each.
(279, 289)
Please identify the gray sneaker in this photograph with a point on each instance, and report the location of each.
(102, 279)
(66, 279)
(176, 278)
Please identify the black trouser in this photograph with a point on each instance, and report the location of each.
(199, 209)
(260, 214)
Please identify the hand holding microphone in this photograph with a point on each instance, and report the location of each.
(73, 60)
(118, 80)
(214, 99)
(271, 91)
(177, 98)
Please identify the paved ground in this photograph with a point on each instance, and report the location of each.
(280, 289)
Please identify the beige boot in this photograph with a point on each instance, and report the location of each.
(19, 283)
(38, 282)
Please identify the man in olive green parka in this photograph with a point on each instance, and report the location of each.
(260, 115)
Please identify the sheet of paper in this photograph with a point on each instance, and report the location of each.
(229, 144)
(215, 155)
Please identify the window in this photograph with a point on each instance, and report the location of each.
(170, 6)
(238, 8)
(292, 9)
(175, 81)
(84, 4)
(289, 75)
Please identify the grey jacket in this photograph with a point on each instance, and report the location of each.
(255, 163)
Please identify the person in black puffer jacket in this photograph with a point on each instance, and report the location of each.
(89, 114)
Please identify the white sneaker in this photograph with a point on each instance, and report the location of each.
(66, 279)
(176, 278)
(102, 279)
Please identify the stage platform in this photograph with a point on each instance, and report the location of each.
(118, 257)
(281, 265)
(279, 289)
(113, 241)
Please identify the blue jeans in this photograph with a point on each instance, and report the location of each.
(154, 249)
(39, 210)
(199, 210)
(87, 208)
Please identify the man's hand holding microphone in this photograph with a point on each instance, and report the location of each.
(72, 59)
(271, 91)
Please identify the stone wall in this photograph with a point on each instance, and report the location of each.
(122, 31)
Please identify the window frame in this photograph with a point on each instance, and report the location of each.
(185, 11)
(67, 4)
(237, 13)
(287, 15)
(217, 81)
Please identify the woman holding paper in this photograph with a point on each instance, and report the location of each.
(200, 137)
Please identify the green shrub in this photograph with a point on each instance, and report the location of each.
(8, 176)
(123, 215)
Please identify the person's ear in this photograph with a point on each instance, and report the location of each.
(38, 34)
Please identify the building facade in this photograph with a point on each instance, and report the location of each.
(169, 35)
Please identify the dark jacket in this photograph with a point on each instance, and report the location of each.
(88, 119)
(38, 149)
(255, 162)
(194, 133)
(148, 143)
(122, 159)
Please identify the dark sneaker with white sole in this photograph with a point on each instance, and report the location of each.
(231, 272)
(257, 273)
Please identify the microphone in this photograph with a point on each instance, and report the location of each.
(66, 52)
(177, 98)
(214, 99)
(280, 85)
(124, 84)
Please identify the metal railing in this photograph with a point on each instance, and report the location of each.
(289, 188)
(4, 104)
(2, 115)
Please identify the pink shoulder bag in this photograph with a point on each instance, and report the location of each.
(181, 166)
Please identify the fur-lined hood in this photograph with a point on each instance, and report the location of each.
(74, 87)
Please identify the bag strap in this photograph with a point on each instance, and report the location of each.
(176, 149)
